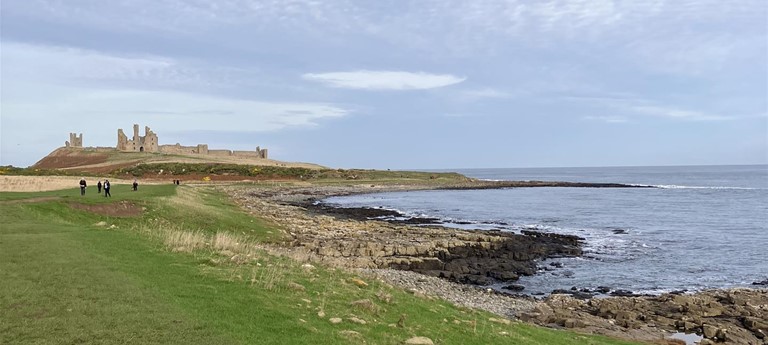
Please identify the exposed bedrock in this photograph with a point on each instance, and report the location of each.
(462, 256)
(735, 316)
(475, 257)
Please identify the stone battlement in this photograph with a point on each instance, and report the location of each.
(74, 140)
(149, 143)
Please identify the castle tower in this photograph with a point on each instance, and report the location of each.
(136, 138)
(146, 143)
(74, 140)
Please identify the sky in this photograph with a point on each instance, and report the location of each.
(394, 84)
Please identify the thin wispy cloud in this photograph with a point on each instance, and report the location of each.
(384, 80)
(607, 119)
(487, 93)
(76, 66)
(630, 106)
(675, 113)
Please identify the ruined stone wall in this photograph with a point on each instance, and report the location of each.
(220, 152)
(99, 149)
(122, 141)
(149, 141)
(201, 149)
(259, 153)
(178, 149)
(252, 154)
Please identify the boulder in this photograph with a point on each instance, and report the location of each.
(514, 287)
(709, 331)
(575, 294)
(603, 289)
(722, 334)
(477, 279)
(623, 293)
(573, 323)
(504, 276)
(419, 341)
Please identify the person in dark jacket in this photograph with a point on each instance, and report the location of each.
(106, 188)
(82, 186)
(98, 186)
(135, 185)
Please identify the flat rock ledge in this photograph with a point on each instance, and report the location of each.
(732, 316)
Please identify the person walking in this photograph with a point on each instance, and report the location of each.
(82, 186)
(135, 185)
(106, 189)
(98, 186)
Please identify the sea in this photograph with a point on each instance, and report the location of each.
(700, 227)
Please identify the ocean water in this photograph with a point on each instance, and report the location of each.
(702, 227)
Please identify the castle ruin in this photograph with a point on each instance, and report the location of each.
(74, 140)
(149, 143)
(146, 143)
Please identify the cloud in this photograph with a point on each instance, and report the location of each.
(75, 66)
(630, 106)
(608, 119)
(486, 93)
(676, 113)
(384, 80)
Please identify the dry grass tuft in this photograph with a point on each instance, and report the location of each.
(270, 278)
(223, 241)
(366, 305)
(384, 296)
(185, 241)
(296, 286)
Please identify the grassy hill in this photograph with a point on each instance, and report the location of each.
(157, 166)
(183, 265)
(104, 160)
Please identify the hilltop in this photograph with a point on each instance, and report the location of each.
(107, 160)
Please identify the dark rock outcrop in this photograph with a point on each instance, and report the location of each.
(735, 316)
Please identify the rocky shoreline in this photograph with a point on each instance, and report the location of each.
(415, 256)
(464, 256)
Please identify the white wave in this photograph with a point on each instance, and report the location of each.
(674, 186)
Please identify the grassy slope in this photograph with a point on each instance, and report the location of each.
(75, 159)
(65, 280)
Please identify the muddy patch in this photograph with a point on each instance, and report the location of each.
(118, 209)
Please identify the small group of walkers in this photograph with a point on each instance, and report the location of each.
(106, 186)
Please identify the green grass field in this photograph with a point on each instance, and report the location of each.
(189, 269)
